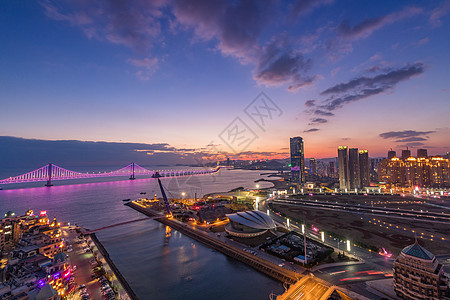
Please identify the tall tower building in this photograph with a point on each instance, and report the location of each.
(331, 172)
(297, 161)
(353, 168)
(364, 168)
(392, 154)
(313, 166)
(422, 153)
(343, 167)
(405, 154)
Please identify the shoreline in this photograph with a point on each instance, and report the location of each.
(255, 262)
(124, 284)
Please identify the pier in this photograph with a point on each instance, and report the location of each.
(264, 266)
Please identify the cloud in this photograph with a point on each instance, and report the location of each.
(278, 64)
(133, 24)
(310, 103)
(236, 27)
(364, 87)
(423, 41)
(411, 139)
(439, 12)
(358, 89)
(319, 112)
(318, 121)
(312, 130)
(365, 28)
(302, 7)
(405, 134)
(147, 66)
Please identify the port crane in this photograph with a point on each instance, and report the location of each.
(169, 213)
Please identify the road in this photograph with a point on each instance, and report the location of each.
(433, 217)
(83, 266)
(306, 289)
(372, 266)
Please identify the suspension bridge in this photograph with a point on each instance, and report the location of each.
(51, 172)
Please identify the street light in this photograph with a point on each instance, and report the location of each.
(322, 236)
(287, 222)
(183, 194)
(268, 213)
(303, 228)
(348, 245)
(257, 186)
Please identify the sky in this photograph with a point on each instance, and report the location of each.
(231, 77)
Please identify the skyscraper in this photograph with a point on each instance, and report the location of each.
(364, 168)
(313, 166)
(331, 172)
(343, 167)
(392, 154)
(297, 161)
(422, 153)
(353, 168)
(405, 154)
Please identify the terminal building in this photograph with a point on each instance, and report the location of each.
(249, 224)
(418, 275)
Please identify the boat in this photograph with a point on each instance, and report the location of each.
(124, 200)
(143, 193)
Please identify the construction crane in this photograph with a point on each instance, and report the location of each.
(169, 213)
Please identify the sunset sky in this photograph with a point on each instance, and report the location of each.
(367, 74)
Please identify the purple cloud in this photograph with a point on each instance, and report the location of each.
(438, 13)
(318, 121)
(404, 134)
(312, 130)
(368, 26)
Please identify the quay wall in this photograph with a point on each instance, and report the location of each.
(124, 289)
(253, 261)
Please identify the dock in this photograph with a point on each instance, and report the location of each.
(261, 265)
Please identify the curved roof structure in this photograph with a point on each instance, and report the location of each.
(254, 219)
(418, 251)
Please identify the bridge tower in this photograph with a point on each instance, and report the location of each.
(132, 172)
(49, 175)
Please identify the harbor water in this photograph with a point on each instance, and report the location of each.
(157, 262)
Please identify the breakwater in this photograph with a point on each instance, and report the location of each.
(253, 261)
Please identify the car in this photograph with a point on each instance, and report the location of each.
(82, 286)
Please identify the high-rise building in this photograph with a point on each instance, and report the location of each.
(364, 168)
(331, 172)
(343, 168)
(419, 275)
(421, 172)
(422, 153)
(353, 168)
(406, 154)
(313, 166)
(392, 154)
(297, 161)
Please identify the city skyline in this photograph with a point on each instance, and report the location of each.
(373, 75)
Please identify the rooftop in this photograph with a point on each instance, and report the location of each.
(418, 251)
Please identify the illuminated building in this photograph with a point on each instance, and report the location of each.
(353, 168)
(313, 166)
(418, 274)
(391, 154)
(343, 168)
(406, 153)
(331, 170)
(364, 168)
(421, 172)
(297, 161)
(422, 153)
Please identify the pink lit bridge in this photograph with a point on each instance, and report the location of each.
(51, 172)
